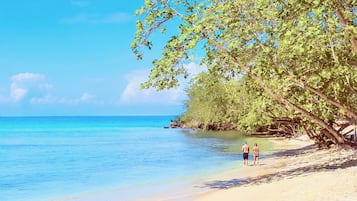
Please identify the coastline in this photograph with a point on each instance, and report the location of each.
(294, 169)
(297, 170)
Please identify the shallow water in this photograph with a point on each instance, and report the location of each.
(42, 158)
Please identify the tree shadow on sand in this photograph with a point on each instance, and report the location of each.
(338, 163)
(293, 152)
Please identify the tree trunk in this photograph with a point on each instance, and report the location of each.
(332, 102)
(345, 23)
(317, 92)
(337, 139)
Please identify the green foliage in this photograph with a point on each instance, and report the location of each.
(266, 58)
(235, 103)
(207, 103)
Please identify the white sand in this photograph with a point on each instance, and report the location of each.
(301, 172)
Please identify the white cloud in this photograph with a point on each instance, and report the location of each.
(193, 69)
(47, 99)
(26, 76)
(111, 18)
(17, 93)
(34, 89)
(84, 98)
(133, 94)
(27, 84)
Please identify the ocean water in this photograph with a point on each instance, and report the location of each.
(46, 158)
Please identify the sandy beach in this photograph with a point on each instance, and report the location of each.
(297, 170)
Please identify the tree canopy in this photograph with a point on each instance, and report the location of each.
(296, 57)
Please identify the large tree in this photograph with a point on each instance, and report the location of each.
(301, 53)
(220, 104)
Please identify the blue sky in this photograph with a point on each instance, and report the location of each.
(73, 57)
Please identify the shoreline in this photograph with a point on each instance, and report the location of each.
(183, 188)
(296, 170)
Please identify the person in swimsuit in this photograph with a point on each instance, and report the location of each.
(256, 154)
(245, 150)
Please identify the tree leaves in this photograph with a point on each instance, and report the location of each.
(300, 52)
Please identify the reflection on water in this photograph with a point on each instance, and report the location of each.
(227, 141)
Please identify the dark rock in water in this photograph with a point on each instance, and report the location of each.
(175, 124)
(166, 127)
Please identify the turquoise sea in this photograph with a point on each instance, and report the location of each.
(49, 158)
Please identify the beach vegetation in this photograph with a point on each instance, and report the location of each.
(284, 66)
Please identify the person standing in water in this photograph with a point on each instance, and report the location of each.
(256, 154)
(245, 150)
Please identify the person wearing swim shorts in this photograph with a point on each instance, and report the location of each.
(245, 150)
